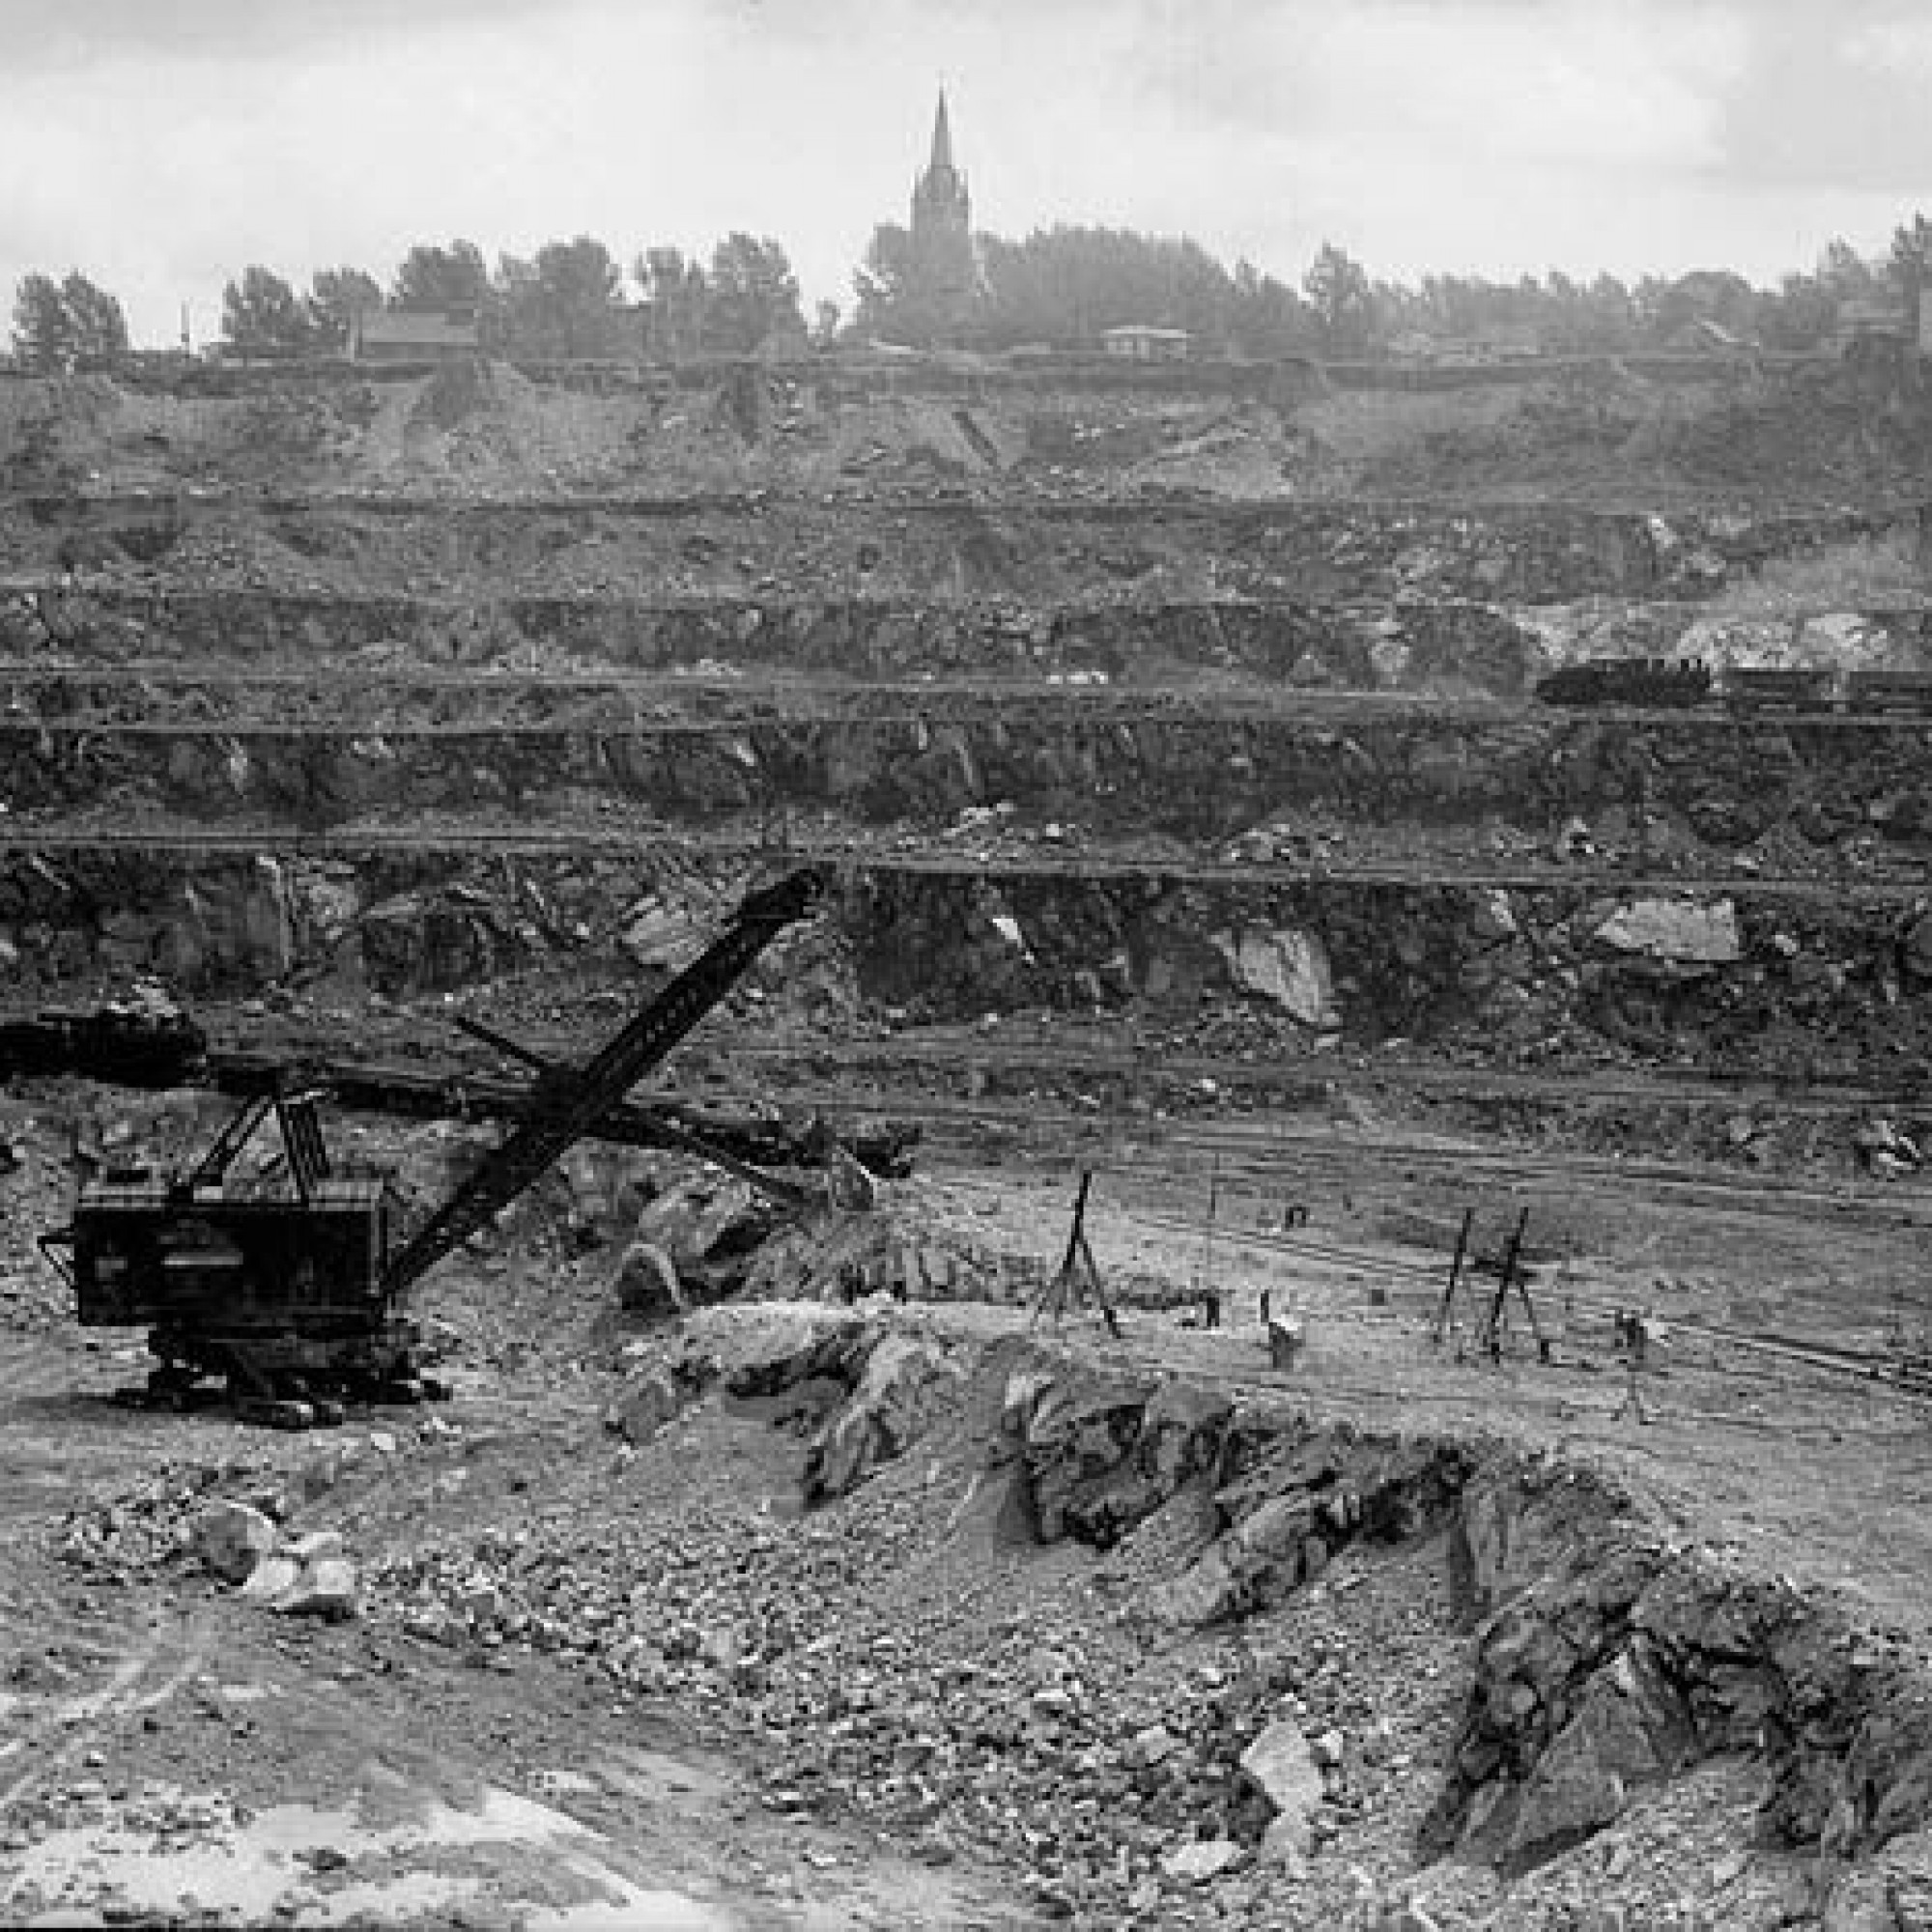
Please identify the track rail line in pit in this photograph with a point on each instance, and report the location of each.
(1309, 1082)
(831, 697)
(1284, 1152)
(911, 706)
(884, 853)
(1053, 502)
(1864, 1364)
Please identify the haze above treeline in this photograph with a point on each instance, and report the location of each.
(1058, 287)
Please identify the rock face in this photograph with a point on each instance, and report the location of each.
(1545, 970)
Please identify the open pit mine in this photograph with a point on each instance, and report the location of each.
(816, 1146)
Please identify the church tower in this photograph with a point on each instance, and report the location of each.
(945, 274)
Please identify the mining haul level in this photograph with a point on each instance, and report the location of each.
(280, 1295)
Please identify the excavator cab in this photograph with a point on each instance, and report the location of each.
(274, 1282)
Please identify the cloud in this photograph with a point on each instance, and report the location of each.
(73, 34)
(1834, 99)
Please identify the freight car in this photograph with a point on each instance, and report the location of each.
(1685, 684)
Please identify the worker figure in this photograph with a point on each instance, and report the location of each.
(1267, 1303)
(1632, 1334)
(1210, 1308)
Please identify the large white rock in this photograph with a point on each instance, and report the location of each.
(1287, 965)
(656, 934)
(329, 1588)
(231, 1539)
(1202, 1859)
(272, 1578)
(1685, 931)
(1281, 1764)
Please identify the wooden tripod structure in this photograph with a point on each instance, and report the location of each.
(1079, 1278)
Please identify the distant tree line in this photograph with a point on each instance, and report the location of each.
(1060, 286)
(1064, 286)
(569, 299)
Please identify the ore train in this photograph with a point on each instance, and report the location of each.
(1687, 684)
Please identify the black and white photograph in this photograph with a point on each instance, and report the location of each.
(966, 965)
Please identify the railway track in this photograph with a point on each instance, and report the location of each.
(1864, 1364)
(374, 714)
(105, 686)
(1287, 1158)
(1308, 1081)
(886, 852)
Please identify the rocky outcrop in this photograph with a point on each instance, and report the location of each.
(902, 1387)
(1308, 1495)
(1102, 1453)
(1611, 1658)
(881, 1390)
(707, 1228)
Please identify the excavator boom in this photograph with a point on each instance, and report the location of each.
(575, 1101)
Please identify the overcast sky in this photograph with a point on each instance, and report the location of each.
(162, 145)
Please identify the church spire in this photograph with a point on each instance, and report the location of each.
(942, 139)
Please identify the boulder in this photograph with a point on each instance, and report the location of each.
(1915, 947)
(1287, 965)
(1492, 917)
(656, 934)
(1201, 1859)
(646, 1283)
(647, 1406)
(1628, 1730)
(231, 1539)
(272, 1578)
(1296, 1509)
(706, 1226)
(1282, 1767)
(329, 1589)
(1682, 930)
